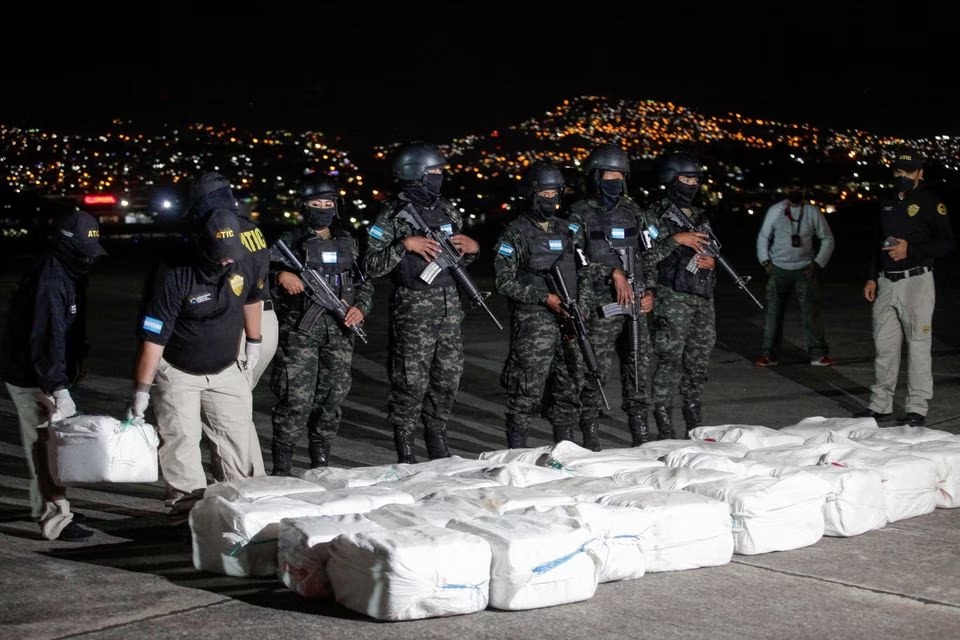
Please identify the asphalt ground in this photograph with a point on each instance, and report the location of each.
(134, 579)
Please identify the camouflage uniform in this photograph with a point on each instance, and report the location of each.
(684, 322)
(619, 226)
(541, 358)
(311, 374)
(425, 361)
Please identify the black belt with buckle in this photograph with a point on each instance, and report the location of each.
(268, 305)
(893, 276)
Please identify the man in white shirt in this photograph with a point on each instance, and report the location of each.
(785, 248)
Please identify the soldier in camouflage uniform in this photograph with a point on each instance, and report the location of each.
(540, 358)
(311, 374)
(426, 346)
(684, 320)
(612, 223)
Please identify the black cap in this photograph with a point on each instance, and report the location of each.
(220, 236)
(83, 232)
(907, 159)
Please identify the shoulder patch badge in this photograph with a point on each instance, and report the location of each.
(941, 208)
(375, 232)
(236, 284)
(153, 325)
(505, 249)
(913, 210)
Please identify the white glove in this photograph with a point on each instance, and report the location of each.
(64, 404)
(252, 354)
(139, 407)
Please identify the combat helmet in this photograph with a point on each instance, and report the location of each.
(412, 162)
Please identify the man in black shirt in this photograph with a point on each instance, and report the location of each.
(42, 354)
(190, 332)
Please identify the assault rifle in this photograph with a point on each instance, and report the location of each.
(449, 258)
(318, 289)
(574, 325)
(628, 260)
(712, 250)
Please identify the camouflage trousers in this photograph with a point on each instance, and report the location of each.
(542, 367)
(610, 336)
(425, 360)
(684, 332)
(311, 377)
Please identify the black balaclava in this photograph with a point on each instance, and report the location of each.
(543, 208)
(682, 194)
(904, 184)
(795, 197)
(317, 218)
(72, 256)
(609, 191)
(426, 190)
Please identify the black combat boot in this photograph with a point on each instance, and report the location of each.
(639, 433)
(403, 441)
(563, 432)
(590, 427)
(282, 459)
(436, 441)
(664, 418)
(319, 452)
(516, 431)
(691, 415)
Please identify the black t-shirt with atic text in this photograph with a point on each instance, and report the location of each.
(197, 318)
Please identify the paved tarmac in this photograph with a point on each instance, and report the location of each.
(134, 580)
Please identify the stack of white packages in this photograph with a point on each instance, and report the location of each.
(771, 514)
(688, 531)
(239, 537)
(620, 538)
(751, 436)
(539, 559)
(88, 449)
(303, 550)
(819, 429)
(900, 435)
(410, 573)
(910, 485)
(250, 489)
(801, 455)
(588, 489)
(437, 511)
(601, 464)
(660, 448)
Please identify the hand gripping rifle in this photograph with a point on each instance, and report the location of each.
(628, 260)
(319, 290)
(712, 250)
(557, 286)
(449, 258)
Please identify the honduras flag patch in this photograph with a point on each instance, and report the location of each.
(617, 233)
(504, 249)
(653, 231)
(556, 245)
(375, 232)
(153, 325)
(574, 227)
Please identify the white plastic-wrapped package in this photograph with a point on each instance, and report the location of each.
(259, 487)
(599, 464)
(530, 455)
(239, 538)
(90, 449)
(410, 573)
(621, 536)
(517, 474)
(771, 514)
(437, 512)
(902, 435)
(800, 455)
(946, 456)
(336, 502)
(751, 436)
(687, 459)
(587, 489)
(501, 499)
(539, 560)
(818, 428)
(342, 478)
(688, 531)
(855, 503)
(420, 485)
(670, 478)
(303, 550)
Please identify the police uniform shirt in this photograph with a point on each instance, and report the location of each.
(920, 219)
(198, 319)
(255, 243)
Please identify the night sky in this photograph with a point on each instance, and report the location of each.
(380, 72)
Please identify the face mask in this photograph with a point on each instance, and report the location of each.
(903, 184)
(682, 194)
(545, 208)
(432, 182)
(610, 189)
(318, 218)
(795, 197)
